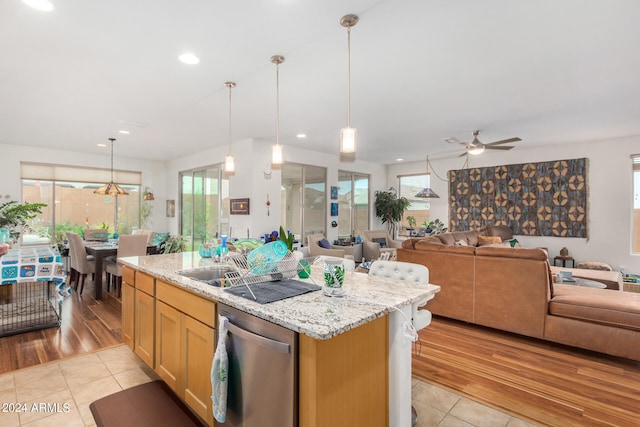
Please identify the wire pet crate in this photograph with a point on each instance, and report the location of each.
(28, 306)
(260, 277)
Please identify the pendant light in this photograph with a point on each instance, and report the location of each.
(111, 188)
(277, 157)
(348, 134)
(427, 192)
(229, 163)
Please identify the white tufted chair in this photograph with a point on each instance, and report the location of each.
(410, 273)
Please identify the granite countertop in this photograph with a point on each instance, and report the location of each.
(313, 314)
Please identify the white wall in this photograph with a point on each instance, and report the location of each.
(251, 158)
(610, 194)
(153, 173)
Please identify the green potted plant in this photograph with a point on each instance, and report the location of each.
(390, 208)
(434, 227)
(173, 244)
(287, 238)
(15, 216)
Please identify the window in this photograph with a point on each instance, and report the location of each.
(409, 186)
(304, 199)
(353, 203)
(71, 205)
(204, 201)
(635, 226)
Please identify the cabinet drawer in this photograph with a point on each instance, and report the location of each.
(144, 282)
(197, 307)
(128, 275)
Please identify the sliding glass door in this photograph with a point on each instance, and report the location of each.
(304, 199)
(204, 201)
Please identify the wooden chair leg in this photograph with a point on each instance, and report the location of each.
(119, 279)
(108, 279)
(84, 276)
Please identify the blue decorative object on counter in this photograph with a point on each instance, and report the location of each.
(264, 259)
(222, 250)
(206, 250)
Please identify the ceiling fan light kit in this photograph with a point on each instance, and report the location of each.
(476, 147)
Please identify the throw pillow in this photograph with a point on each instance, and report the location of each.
(381, 241)
(159, 238)
(513, 243)
(487, 240)
(460, 243)
(324, 243)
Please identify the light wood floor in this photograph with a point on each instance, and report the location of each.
(87, 325)
(545, 383)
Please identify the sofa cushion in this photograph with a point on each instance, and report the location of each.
(620, 309)
(446, 238)
(502, 231)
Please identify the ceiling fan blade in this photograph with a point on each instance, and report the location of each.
(504, 141)
(498, 147)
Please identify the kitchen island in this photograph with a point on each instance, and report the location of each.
(345, 344)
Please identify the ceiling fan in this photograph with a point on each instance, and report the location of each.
(476, 147)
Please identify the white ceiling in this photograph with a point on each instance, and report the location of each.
(548, 71)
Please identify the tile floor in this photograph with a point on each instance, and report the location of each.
(59, 394)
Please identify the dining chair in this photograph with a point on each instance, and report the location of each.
(148, 233)
(128, 245)
(80, 263)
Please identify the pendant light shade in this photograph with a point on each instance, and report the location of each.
(277, 157)
(111, 188)
(229, 162)
(427, 192)
(348, 134)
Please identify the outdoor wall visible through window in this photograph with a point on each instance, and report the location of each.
(409, 186)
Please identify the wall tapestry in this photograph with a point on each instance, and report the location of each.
(534, 199)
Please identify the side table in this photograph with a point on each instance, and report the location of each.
(562, 261)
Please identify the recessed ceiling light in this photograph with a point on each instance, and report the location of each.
(101, 145)
(124, 132)
(43, 5)
(301, 135)
(189, 58)
(399, 159)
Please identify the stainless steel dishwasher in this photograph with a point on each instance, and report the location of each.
(263, 372)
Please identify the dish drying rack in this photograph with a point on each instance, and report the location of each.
(246, 275)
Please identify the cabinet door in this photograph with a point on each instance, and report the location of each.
(127, 314)
(168, 346)
(197, 348)
(144, 332)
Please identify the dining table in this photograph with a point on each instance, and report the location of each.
(102, 250)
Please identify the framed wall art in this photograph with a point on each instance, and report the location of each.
(239, 207)
(334, 193)
(171, 208)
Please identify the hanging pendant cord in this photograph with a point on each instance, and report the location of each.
(349, 76)
(111, 139)
(229, 119)
(277, 104)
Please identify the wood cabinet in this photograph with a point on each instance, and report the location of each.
(128, 292)
(185, 345)
(344, 381)
(144, 318)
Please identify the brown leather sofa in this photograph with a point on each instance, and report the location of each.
(512, 289)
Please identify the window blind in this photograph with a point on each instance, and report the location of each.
(52, 172)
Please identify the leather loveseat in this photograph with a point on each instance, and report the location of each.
(512, 289)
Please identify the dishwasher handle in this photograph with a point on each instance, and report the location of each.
(258, 339)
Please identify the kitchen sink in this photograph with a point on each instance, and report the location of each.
(209, 275)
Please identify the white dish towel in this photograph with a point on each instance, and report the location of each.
(220, 373)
